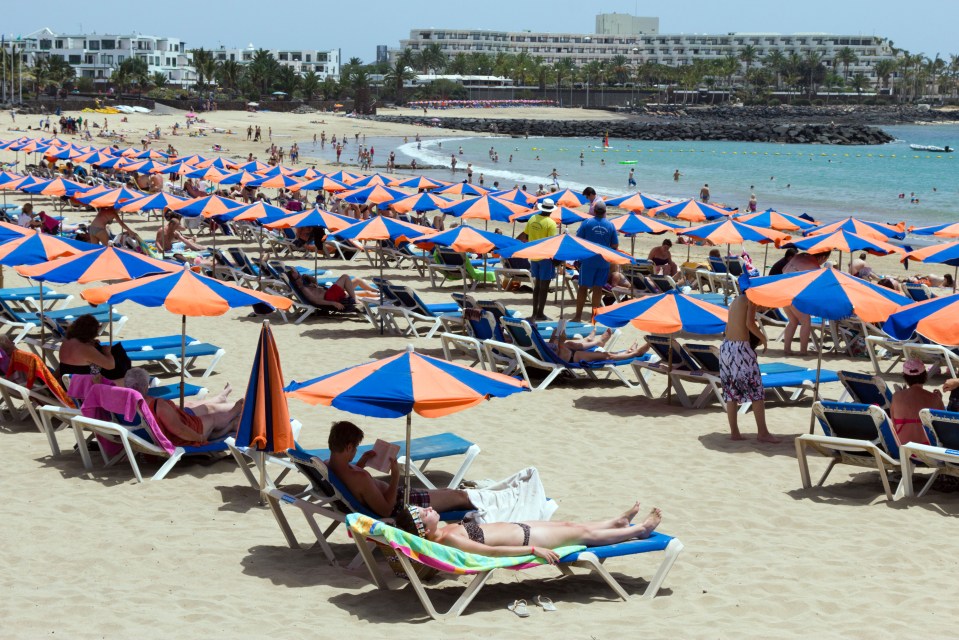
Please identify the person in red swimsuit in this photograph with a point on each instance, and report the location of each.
(908, 402)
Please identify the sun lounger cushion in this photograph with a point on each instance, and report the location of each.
(795, 378)
(192, 351)
(442, 557)
(655, 542)
(424, 448)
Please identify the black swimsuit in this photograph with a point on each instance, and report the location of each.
(475, 531)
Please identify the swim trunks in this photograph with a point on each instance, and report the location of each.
(739, 373)
(418, 498)
(593, 272)
(542, 269)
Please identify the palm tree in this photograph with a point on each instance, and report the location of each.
(592, 71)
(262, 70)
(846, 56)
(287, 80)
(310, 85)
(747, 55)
(776, 63)
(432, 59)
(482, 64)
(859, 83)
(460, 64)
(619, 69)
(205, 66)
(397, 76)
(359, 81)
(884, 69)
(159, 79)
(815, 70)
(564, 68)
(40, 73)
(832, 81)
(228, 74)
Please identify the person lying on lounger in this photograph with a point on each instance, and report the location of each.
(537, 538)
(582, 350)
(199, 422)
(339, 295)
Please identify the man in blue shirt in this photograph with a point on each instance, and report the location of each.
(594, 272)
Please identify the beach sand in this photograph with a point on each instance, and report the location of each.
(99, 556)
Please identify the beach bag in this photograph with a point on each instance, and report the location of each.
(121, 363)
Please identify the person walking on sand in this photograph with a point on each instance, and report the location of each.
(704, 194)
(739, 368)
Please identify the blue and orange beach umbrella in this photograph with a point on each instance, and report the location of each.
(184, 293)
(827, 293)
(402, 384)
(418, 183)
(771, 219)
(565, 198)
(936, 319)
(864, 228)
(842, 241)
(485, 208)
(372, 195)
(635, 202)
(462, 189)
(947, 230)
(947, 254)
(419, 202)
(730, 231)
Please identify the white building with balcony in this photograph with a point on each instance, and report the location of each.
(325, 63)
(638, 39)
(96, 56)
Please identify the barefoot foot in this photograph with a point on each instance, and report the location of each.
(628, 515)
(651, 522)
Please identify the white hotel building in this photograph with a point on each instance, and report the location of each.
(325, 63)
(96, 56)
(638, 39)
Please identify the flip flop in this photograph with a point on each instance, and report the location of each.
(545, 602)
(519, 608)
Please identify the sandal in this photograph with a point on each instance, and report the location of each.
(519, 608)
(545, 603)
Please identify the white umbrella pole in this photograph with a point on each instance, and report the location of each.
(815, 393)
(409, 430)
(182, 358)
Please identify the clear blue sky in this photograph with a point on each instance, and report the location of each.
(357, 27)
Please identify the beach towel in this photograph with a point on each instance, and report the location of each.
(32, 367)
(517, 498)
(81, 383)
(102, 401)
(442, 557)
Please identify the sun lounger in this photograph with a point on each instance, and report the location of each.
(28, 298)
(408, 305)
(411, 549)
(529, 350)
(131, 434)
(855, 434)
(327, 497)
(866, 389)
(935, 355)
(917, 291)
(941, 455)
(513, 270)
(17, 403)
(175, 358)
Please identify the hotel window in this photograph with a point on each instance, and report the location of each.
(73, 59)
(59, 44)
(283, 56)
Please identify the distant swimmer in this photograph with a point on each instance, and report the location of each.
(676, 175)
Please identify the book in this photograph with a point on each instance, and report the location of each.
(384, 452)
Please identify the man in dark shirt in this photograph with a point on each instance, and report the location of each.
(777, 268)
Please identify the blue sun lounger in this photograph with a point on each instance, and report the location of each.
(530, 350)
(31, 295)
(175, 358)
(410, 549)
(330, 498)
(855, 434)
(941, 454)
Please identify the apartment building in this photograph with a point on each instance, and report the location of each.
(644, 44)
(325, 63)
(96, 56)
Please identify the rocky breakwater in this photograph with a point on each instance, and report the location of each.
(745, 129)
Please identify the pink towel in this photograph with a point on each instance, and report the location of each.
(81, 383)
(102, 400)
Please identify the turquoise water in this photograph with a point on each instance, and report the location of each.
(827, 181)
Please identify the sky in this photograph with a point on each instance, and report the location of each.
(356, 28)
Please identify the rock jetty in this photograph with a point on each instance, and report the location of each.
(745, 129)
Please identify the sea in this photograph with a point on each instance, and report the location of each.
(889, 182)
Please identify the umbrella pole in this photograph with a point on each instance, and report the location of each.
(409, 430)
(110, 320)
(182, 358)
(765, 257)
(40, 316)
(669, 369)
(380, 308)
(954, 276)
(815, 393)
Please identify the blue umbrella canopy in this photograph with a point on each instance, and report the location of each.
(378, 192)
(469, 240)
(936, 319)
(484, 208)
(103, 263)
(826, 293)
(381, 228)
(39, 247)
(265, 422)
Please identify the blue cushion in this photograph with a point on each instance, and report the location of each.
(655, 542)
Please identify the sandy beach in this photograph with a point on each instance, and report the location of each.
(96, 555)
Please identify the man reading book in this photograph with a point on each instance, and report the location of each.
(384, 499)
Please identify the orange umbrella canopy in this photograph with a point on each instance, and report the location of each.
(864, 228)
(566, 247)
(97, 265)
(842, 241)
(265, 422)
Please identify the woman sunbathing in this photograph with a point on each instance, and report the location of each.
(199, 422)
(538, 538)
(586, 349)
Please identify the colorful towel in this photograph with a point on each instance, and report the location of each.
(439, 556)
(32, 367)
